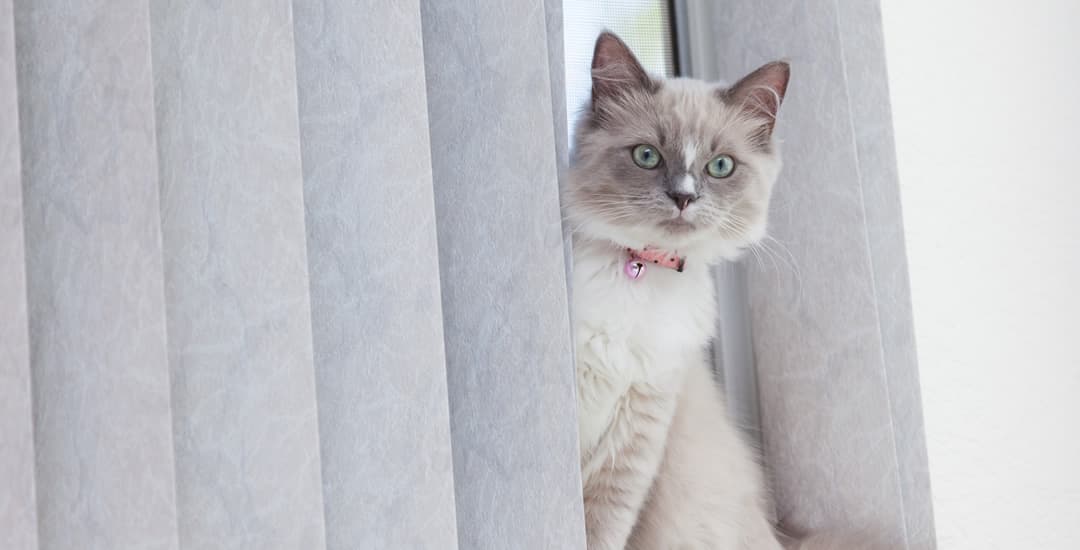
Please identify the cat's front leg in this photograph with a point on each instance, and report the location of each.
(613, 499)
(619, 471)
(708, 493)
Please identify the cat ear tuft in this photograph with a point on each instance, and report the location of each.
(615, 70)
(761, 92)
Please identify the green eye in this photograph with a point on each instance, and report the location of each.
(721, 166)
(646, 156)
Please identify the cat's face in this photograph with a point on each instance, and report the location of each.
(677, 164)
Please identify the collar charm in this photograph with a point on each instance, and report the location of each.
(635, 269)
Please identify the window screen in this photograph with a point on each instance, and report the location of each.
(645, 25)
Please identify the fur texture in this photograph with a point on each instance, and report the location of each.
(663, 467)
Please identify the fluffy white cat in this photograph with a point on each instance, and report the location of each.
(669, 177)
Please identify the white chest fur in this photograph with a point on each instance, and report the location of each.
(642, 332)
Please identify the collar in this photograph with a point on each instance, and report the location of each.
(638, 259)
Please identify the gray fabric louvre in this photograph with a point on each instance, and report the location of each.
(256, 279)
(509, 366)
(373, 260)
(236, 278)
(99, 362)
(18, 507)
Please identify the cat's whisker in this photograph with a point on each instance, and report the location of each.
(783, 248)
(754, 251)
(790, 261)
(772, 255)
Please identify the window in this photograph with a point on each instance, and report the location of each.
(645, 25)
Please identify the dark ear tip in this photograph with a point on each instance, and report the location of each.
(607, 36)
(781, 66)
(607, 44)
(778, 72)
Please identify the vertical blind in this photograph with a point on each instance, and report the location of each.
(292, 275)
(18, 513)
(283, 275)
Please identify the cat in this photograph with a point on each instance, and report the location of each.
(668, 177)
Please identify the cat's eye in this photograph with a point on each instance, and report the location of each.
(646, 156)
(721, 166)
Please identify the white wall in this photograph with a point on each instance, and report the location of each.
(986, 107)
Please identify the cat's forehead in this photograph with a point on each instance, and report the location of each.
(688, 113)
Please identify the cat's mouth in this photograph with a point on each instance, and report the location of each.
(677, 225)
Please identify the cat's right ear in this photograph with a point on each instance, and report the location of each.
(760, 93)
(615, 70)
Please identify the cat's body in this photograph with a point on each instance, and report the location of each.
(662, 466)
(687, 167)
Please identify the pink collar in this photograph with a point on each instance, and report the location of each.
(638, 259)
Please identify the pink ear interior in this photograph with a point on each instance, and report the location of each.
(762, 91)
(615, 69)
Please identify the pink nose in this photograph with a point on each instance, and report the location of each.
(682, 200)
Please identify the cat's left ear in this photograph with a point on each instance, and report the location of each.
(615, 70)
(760, 92)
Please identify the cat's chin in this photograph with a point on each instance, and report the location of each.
(706, 243)
(678, 227)
(688, 238)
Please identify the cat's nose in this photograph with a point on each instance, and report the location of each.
(682, 200)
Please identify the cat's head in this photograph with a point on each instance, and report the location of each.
(678, 163)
